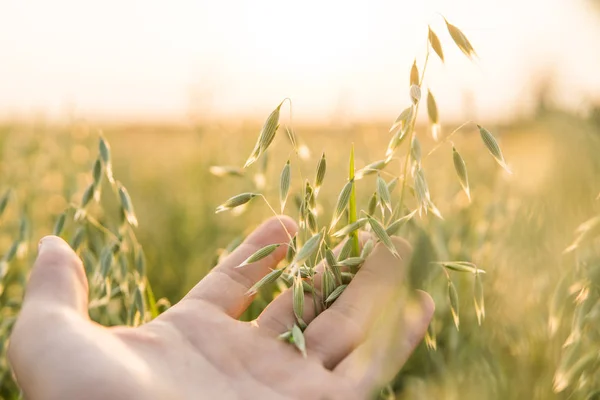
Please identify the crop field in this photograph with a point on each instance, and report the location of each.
(542, 304)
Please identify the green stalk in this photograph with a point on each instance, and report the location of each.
(151, 300)
(412, 135)
(352, 215)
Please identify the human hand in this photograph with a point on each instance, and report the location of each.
(199, 349)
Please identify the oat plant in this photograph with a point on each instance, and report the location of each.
(101, 230)
(400, 195)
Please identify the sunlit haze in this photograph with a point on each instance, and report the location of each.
(336, 59)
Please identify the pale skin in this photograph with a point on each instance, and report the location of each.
(199, 349)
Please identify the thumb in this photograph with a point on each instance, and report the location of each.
(57, 280)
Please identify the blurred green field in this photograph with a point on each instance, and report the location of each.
(516, 227)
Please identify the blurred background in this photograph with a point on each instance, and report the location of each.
(177, 87)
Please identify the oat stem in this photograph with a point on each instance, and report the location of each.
(102, 228)
(278, 216)
(412, 135)
(446, 139)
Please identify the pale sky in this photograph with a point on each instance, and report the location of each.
(335, 59)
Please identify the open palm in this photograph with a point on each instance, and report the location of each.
(199, 349)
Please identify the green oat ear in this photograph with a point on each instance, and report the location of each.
(284, 184)
(298, 338)
(492, 145)
(271, 277)
(350, 228)
(260, 254)
(104, 151)
(336, 293)
(395, 226)
(127, 205)
(321, 170)
(60, 223)
(308, 249)
(236, 201)
(298, 299)
(4, 200)
(342, 203)
(461, 171)
(385, 200)
(266, 136)
(383, 236)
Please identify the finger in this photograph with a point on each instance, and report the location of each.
(378, 359)
(57, 280)
(279, 315)
(226, 286)
(55, 300)
(343, 326)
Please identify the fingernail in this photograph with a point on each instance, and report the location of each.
(49, 242)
